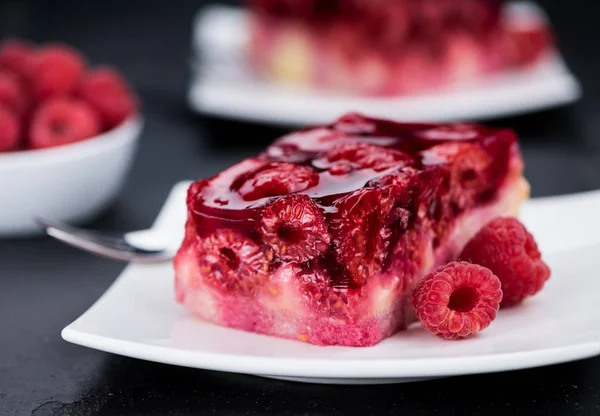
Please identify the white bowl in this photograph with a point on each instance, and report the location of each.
(71, 183)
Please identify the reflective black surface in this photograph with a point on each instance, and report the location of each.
(45, 285)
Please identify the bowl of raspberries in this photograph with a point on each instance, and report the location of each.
(68, 135)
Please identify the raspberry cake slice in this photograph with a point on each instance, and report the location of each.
(391, 47)
(323, 237)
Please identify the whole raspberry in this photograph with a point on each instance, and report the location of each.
(10, 130)
(55, 70)
(232, 262)
(399, 182)
(361, 232)
(275, 179)
(468, 164)
(457, 300)
(288, 152)
(506, 247)
(61, 121)
(107, 92)
(16, 57)
(12, 94)
(295, 229)
(318, 289)
(347, 157)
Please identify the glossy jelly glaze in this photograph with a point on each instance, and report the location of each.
(391, 47)
(323, 236)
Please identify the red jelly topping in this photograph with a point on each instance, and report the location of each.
(336, 199)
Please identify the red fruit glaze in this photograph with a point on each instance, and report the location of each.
(16, 57)
(336, 251)
(510, 251)
(56, 70)
(274, 179)
(344, 158)
(10, 130)
(457, 300)
(62, 121)
(109, 94)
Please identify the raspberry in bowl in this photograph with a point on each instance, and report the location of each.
(391, 47)
(68, 135)
(325, 235)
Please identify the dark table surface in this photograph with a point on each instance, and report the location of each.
(45, 285)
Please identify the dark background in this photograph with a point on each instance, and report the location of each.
(45, 285)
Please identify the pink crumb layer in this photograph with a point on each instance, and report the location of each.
(376, 311)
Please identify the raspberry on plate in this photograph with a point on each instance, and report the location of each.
(10, 130)
(106, 90)
(324, 236)
(62, 121)
(457, 300)
(55, 70)
(506, 247)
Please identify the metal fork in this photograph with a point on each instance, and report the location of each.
(143, 246)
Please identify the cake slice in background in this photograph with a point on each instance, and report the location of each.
(390, 47)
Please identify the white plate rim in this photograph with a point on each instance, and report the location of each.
(315, 368)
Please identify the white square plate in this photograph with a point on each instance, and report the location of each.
(138, 317)
(224, 85)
